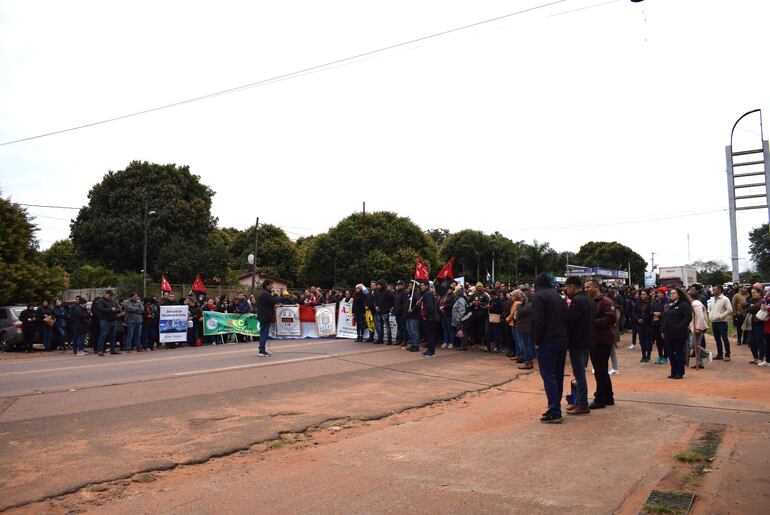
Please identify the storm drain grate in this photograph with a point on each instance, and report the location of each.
(669, 502)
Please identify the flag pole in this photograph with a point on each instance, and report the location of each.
(411, 297)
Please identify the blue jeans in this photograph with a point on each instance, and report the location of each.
(578, 359)
(133, 332)
(45, 335)
(107, 328)
(413, 327)
(446, 326)
(382, 320)
(551, 357)
(78, 342)
(264, 334)
(720, 335)
(528, 351)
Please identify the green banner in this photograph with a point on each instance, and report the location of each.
(222, 323)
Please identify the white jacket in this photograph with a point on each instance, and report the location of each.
(721, 310)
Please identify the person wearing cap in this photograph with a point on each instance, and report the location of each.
(107, 310)
(134, 310)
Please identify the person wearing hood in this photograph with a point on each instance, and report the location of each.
(459, 311)
(134, 317)
(550, 335)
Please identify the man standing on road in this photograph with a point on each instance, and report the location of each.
(28, 319)
(108, 310)
(580, 331)
(81, 321)
(265, 313)
(382, 308)
(604, 321)
(549, 328)
(399, 301)
(739, 315)
(371, 304)
(134, 317)
(429, 314)
(721, 311)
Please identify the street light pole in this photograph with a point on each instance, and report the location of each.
(144, 253)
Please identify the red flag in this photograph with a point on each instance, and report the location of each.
(420, 271)
(198, 285)
(164, 286)
(446, 272)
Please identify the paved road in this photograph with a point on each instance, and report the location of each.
(66, 421)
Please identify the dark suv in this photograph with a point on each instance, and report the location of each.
(10, 328)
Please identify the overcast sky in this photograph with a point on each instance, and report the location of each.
(606, 123)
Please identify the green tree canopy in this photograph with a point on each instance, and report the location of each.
(110, 230)
(711, 272)
(469, 248)
(367, 247)
(23, 275)
(61, 253)
(611, 254)
(760, 249)
(276, 253)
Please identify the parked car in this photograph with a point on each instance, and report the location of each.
(10, 328)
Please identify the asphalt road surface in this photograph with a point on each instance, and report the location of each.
(66, 422)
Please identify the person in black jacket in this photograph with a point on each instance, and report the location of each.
(81, 322)
(550, 334)
(383, 305)
(658, 306)
(412, 316)
(675, 327)
(580, 336)
(399, 300)
(359, 311)
(28, 319)
(371, 304)
(643, 320)
(429, 314)
(108, 311)
(265, 314)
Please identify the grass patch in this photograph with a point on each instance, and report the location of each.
(657, 508)
(274, 444)
(689, 457)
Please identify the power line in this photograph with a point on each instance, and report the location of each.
(50, 207)
(290, 74)
(584, 8)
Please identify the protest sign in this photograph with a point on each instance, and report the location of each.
(287, 321)
(222, 323)
(325, 323)
(346, 322)
(173, 323)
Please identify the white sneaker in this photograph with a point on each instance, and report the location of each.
(81, 353)
(614, 371)
(711, 358)
(444, 346)
(631, 347)
(763, 364)
(450, 346)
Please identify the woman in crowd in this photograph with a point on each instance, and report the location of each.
(459, 311)
(517, 300)
(59, 324)
(676, 330)
(698, 328)
(643, 320)
(757, 337)
(359, 312)
(45, 323)
(524, 333)
(149, 324)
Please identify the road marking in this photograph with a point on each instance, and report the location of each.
(156, 360)
(254, 365)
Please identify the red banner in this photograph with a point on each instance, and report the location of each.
(307, 313)
(198, 285)
(164, 286)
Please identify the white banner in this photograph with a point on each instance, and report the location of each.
(460, 281)
(324, 319)
(173, 323)
(287, 321)
(393, 328)
(346, 322)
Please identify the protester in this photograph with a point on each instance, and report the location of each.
(721, 311)
(59, 324)
(524, 333)
(383, 304)
(550, 335)
(604, 322)
(134, 310)
(108, 311)
(29, 325)
(445, 302)
(643, 319)
(580, 332)
(429, 315)
(81, 321)
(412, 317)
(460, 311)
(698, 327)
(45, 322)
(675, 329)
(479, 301)
(739, 315)
(399, 300)
(359, 312)
(658, 306)
(371, 306)
(265, 313)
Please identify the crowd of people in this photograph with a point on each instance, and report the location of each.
(543, 322)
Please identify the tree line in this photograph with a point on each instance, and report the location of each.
(106, 242)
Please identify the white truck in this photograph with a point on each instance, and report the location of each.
(684, 276)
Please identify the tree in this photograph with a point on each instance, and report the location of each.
(711, 272)
(611, 254)
(367, 247)
(538, 255)
(760, 249)
(23, 275)
(276, 253)
(109, 231)
(469, 248)
(93, 276)
(61, 253)
(210, 258)
(438, 235)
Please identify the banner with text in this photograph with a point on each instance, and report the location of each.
(173, 323)
(223, 323)
(325, 320)
(287, 322)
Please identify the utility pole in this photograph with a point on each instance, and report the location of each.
(652, 269)
(629, 273)
(689, 261)
(254, 264)
(363, 242)
(493, 266)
